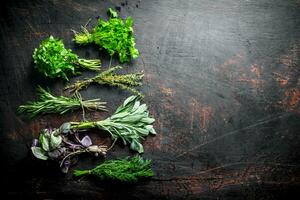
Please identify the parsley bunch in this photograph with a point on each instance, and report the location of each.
(115, 36)
(48, 103)
(109, 77)
(124, 170)
(53, 60)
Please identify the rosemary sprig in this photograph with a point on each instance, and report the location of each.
(47, 103)
(53, 60)
(109, 77)
(124, 170)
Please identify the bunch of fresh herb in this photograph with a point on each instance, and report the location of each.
(109, 77)
(53, 60)
(55, 144)
(48, 103)
(130, 123)
(124, 170)
(114, 35)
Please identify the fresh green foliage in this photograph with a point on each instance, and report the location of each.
(49, 141)
(109, 77)
(48, 103)
(124, 170)
(115, 36)
(53, 60)
(130, 123)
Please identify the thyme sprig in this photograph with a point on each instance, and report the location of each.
(48, 103)
(53, 60)
(110, 78)
(125, 170)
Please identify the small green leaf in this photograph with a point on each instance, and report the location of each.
(112, 13)
(44, 141)
(39, 153)
(129, 100)
(150, 129)
(148, 120)
(55, 141)
(136, 146)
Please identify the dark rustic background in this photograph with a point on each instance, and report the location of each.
(221, 79)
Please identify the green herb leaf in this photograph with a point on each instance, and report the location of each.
(39, 153)
(136, 146)
(55, 141)
(112, 13)
(44, 140)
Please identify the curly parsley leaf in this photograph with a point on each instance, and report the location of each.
(53, 60)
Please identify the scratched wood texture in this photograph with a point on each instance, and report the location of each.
(222, 80)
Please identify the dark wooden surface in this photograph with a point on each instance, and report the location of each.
(221, 79)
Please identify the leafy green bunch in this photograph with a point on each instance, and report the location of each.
(115, 36)
(109, 77)
(130, 123)
(47, 146)
(53, 60)
(48, 103)
(124, 170)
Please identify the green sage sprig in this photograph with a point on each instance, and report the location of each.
(48, 103)
(55, 61)
(125, 170)
(110, 78)
(115, 36)
(130, 123)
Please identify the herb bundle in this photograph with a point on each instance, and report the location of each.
(124, 170)
(53, 60)
(55, 144)
(48, 103)
(130, 123)
(114, 35)
(109, 77)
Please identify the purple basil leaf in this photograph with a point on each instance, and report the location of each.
(35, 142)
(86, 141)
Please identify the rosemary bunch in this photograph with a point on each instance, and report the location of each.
(115, 36)
(53, 60)
(47, 103)
(109, 77)
(124, 170)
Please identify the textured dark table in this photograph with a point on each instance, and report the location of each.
(221, 79)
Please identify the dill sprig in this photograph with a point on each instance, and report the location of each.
(53, 60)
(124, 170)
(48, 103)
(109, 77)
(115, 36)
